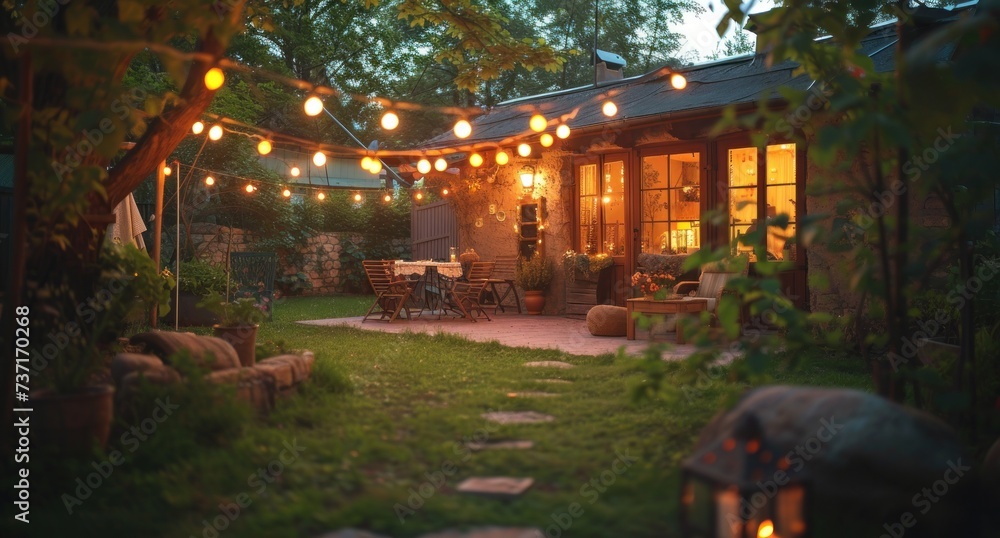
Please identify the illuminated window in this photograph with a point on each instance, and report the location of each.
(670, 203)
(602, 208)
(777, 177)
(589, 209)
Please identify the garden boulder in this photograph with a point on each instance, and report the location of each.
(206, 351)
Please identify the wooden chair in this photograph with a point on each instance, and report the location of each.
(503, 280)
(712, 282)
(467, 295)
(391, 295)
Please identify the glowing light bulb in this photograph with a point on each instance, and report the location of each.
(766, 529)
(321, 197)
(444, 191)
(538, 123)
(286, 193)
(264, 147)
(376, 166)
(463, 129)
(609, 108)
(214, 78)
(313, 106)
(197, 127)
(502, 157)
(440, 164)
(476, 160)
(215, 132)
(167, 171)
(366, 162)
(249, 188)
(390, 121)
(546, 140)
(523, 150)
(562, 131)
(209, 181)
(387, 198)
(606, 199)
(319, 158)
(294, 171)
(419, 196)
(423, 166)
(357, 197)
(678, 81)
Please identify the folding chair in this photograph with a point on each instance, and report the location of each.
(466, 295)
(503, 277)
(391, 295)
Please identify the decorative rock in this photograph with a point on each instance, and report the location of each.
(607, 320)
(504, 487)
(301, 366)
(862, 454)
(209, 351)
(549, 364)
(489, 532)
(351, 533)
(281, 372)
(128, 386)
(125, 363)
(554, 381)
(531, 394)
(517, 417)
(252, 386)
(501, 445)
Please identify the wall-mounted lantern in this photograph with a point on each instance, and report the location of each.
(527, 178)
(740, 487)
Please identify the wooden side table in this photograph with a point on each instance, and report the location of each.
(680, 307)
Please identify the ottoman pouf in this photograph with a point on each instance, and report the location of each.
(607, 320)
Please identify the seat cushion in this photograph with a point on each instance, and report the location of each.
(710, 300)
(607, 320)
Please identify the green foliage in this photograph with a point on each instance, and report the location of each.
(353, 277)
(202, 278)
(293, 284)
(585, 263)
(240, 312)
(534, 274)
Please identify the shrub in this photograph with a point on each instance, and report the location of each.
(534, 274)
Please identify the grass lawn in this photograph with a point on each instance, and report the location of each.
(386, 414)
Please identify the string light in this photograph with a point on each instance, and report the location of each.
(678, 81)
(319, 158)
(264, 147)
(423, 166)
(606, 199)
(387, 198)
(609, 108)
(390, 121)
(197, 127)
(249, 188)
(562, 131)
(211, 181)
(294, 171)
(537, 123)
(366, 162)
(419, 196)
(523, 149)
(502, 158)
(357, 197)
(376, 166)
(463, 129)
(167, 171)
(214, 78)
(313, 106)
(476, 160)
(215, 132)
(286, 193)
(321, 197)
(440, 164)
(444, 191)
(545, 140)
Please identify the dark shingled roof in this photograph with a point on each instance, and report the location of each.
(711, 86)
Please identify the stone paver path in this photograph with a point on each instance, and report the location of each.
(549, 364)
(501, 487)
(564, 381)
(539, 332)
(518, 444)
(489, 532)
(517, 417)
(531, 394)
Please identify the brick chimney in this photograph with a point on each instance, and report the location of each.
(607, 66)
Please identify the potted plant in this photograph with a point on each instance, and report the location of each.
(197, 280)
(74, 404)
(238, 324)
(533, 276)
(656, 285)
(585, 266)
(467, 258)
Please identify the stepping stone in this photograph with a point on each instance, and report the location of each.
(502, 487)
(549, 364)
(517, 417)
(351, 533)
(518, 444)
(554, 381)
(530, 394)
(489, 532)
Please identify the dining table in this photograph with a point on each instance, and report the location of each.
(433, 284)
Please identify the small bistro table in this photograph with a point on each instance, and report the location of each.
(679, 306)
(434, 284)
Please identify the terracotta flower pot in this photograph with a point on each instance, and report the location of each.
(72, 423)
(534, 301)
(243, 338)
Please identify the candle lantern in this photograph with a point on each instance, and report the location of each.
(740, 487)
